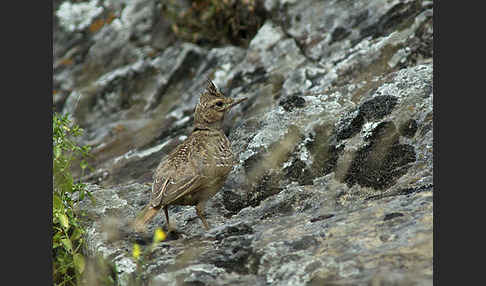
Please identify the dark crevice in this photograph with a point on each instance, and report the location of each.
(396, 17)
(321, 217)
(402, 192)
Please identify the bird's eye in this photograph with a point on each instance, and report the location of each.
(219, 104)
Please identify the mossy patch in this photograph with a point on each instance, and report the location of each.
(292, 102)
(371, 110)
(380, 163)
(408, 128)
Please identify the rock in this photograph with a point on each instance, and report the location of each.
(306, 231)
(334, 182)
(77, 16)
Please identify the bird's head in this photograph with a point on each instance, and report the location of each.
(212, 107)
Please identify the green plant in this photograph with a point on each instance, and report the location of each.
(67, 240)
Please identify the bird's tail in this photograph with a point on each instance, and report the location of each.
(144, 217)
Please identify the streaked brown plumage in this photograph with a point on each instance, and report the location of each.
(197, 168)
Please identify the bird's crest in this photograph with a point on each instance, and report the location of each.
(211, 88)
(210, 92)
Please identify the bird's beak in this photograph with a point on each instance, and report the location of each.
(236, 102)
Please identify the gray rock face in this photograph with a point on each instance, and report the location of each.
(334, 184)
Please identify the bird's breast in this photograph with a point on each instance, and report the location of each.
(220, 156)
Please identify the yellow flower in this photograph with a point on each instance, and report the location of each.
(136, 251)
(159, 235)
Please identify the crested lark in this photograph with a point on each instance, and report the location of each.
(197, 168)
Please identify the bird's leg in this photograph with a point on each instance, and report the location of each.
(169, 228)
(200, 214)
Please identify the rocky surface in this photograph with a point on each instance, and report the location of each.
(334, 184)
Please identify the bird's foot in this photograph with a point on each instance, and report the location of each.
(174, 234)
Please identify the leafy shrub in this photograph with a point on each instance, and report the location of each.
(67, 240)
(216, 21)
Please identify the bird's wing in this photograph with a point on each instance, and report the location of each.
(166, 191)
(175, 178)
(158, 188)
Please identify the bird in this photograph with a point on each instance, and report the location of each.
(198, 167)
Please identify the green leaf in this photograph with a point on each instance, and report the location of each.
(69, 183)
(57, 237)
(63, 219)
(83, 164)
(67, 244)
(81, 195)
(57, 151)
(79, 262)
(57, 202)
(76, 234)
